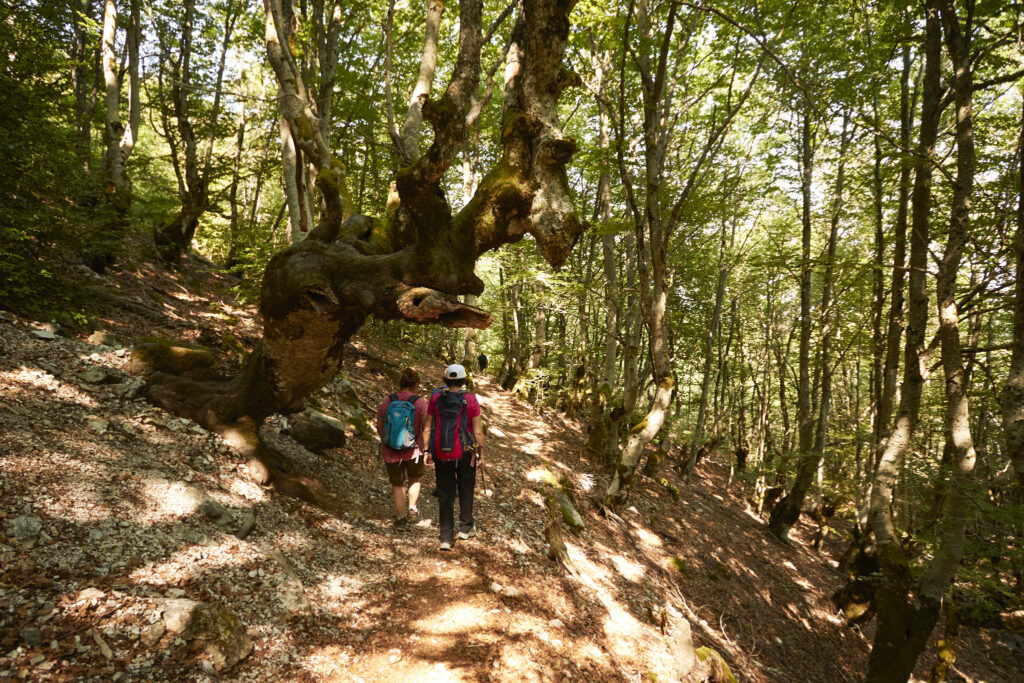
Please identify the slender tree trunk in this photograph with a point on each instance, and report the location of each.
(175, 237)
(903, 625)
(114, 130)
(709, 345)
(898, 280)
(787, 510)
(633, 331)
(83, 80)
(604, 212)
(235, 229)
(878, 280)
(1013, 391)
(469, 351)
(133, 38)
(652, 234)
(302, 144)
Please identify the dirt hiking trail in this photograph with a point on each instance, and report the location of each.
(121, 518)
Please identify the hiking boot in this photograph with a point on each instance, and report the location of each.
(446, 545)
(464, 535)
(401, 522)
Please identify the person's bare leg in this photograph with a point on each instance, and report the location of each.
(398, 495)
(414, 492)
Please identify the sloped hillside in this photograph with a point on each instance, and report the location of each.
(138, 546)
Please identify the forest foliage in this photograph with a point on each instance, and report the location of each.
(752, 173)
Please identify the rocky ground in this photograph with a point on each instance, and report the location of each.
(138, 546)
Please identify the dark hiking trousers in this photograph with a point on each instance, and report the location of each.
(455, 477)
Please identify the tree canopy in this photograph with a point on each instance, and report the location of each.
(787, 235)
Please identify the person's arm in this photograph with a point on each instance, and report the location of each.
(478, 435)
(428, 420)
(379, 422)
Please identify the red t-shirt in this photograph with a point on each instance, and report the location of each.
(420, 406)
(472, 410)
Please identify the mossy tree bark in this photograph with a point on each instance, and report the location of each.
(316, 293)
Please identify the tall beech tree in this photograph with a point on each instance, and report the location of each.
(656, 216)
(907, 613)
(1013, 391)
(787, 511)
(413, 265)
(195, 170)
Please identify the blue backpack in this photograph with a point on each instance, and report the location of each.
(400, 423)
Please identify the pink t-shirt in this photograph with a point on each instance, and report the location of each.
(472, 410)
(416, 451)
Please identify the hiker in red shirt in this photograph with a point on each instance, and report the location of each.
(399, 425)
(454, 434)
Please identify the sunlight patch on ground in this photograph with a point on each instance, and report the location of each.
(457, 618)
(181, 564)
(531, 496)
(328, 662)
(621, 627)
(338, 590)
(627, 568)
(171, 499)
(651, 541)
(247, 489)
(618, 624)
(87, 507)
(25, 384)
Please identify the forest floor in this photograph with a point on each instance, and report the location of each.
(104, 500)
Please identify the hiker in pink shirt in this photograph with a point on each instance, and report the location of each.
(454, 434)
(400, 425)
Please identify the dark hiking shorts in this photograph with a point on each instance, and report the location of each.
(397, 471)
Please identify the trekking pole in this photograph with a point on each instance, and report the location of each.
(483, 484)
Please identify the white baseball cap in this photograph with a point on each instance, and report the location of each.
(455, 371)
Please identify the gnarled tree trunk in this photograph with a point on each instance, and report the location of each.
(316, 293)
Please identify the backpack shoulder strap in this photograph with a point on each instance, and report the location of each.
(393, 397)
(412, 399)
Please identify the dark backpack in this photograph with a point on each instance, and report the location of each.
(400, 423)
(451, 419)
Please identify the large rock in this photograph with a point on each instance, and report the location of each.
(217, 630)
(213, 510)
(100, 374)
(25, 528)
(680, 645)
(351, 409)
(713, 667)
(316, 431)
(102, 338)
(570, 515)
(167, 356)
